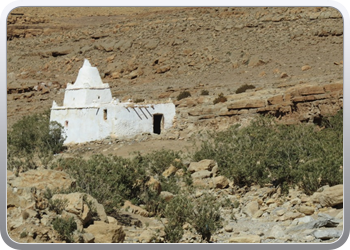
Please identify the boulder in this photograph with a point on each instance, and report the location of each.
(128, 206)
(306, 210)
(170, 171)
(146, 236)
(42, 179)
(220, 182)
(327, 234)
(276, 232)
(167, 196)
(245, 239)
(201, 165)
(202, 174)
(75, 205)
(332, 196)
(20, 197)
(106, 233)
(251, 208)
(305, 67)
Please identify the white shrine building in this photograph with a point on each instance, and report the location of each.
(90, 113)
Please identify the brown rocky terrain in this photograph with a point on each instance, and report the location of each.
(292, 56)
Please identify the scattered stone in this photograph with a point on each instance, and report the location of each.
(167, 196)
(106, 233)
(128, 206)
(228, 228)
(170, 171)
(327, 234)
(202, 165)
(220, 182)
(305, 67)
(245, 239)
(202, 174)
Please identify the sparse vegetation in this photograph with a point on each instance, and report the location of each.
(244, 88)
(110, 180)
(33, 140)
(205, 217)
(284, 155)
(57, 205)
(220, 98)
(204, 92)
(183, 94)
(65, 228)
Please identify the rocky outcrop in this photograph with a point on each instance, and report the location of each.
(31, 211)
(106, 233)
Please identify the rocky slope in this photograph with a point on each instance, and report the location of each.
(252, 215)
(155, 54)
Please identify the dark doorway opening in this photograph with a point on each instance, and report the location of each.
(105, 114)
(157, 123)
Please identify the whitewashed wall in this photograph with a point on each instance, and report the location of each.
(89, 124)
(83, 117)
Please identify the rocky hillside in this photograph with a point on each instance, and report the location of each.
(155, 53)
(236, 63)
(251, 215)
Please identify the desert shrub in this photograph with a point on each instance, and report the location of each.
(173, 232)
(109, 179)
(244, 88)
(158, 161)
(65, 228)
(220, 98)
(183, 95)
(170, 184)
(33, 137)
(112, 180)
(205, 216)
(202, 213)
(177, 211)
(284, 155)
(153, 203)
(57, 205)
(204, 92)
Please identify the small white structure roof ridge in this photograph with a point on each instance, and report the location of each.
(88, 77)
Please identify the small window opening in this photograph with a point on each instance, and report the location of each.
(157, 123)
(105, 114)
(66, 124)
(98, 97)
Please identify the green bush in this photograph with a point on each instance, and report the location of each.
(244, 88)
(177, 211)
(284, 155)
(183, 95)
(33, 138)
(65, 228)
(158, 161)
(109, 179)
(205, 216)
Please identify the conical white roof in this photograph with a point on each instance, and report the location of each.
(88, 77)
